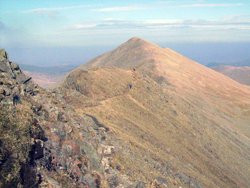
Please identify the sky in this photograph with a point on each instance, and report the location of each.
(96, 26)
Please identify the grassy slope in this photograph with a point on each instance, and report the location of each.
(163, 133)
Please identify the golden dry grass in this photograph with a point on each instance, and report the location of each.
(179, 116)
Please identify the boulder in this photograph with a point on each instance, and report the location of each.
(5, 66)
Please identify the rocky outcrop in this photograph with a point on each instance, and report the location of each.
(62, 149)
(3, 54)
(13, 81)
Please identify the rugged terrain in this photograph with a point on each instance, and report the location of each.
(175, 119)
(138, 116)
(44, 143)
(240, 74)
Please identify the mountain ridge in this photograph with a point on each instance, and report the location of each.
(174, 113)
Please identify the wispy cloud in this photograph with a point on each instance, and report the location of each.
(199, 5)
(161, 24)
(120, 8)
(165, 4)
(53, 9)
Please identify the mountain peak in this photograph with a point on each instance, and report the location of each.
(130, 54)
(136, 42)
(136, 39)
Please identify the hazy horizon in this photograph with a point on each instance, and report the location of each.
(73, 32)
(203, 53)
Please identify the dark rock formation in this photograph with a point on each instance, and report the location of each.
(61, 148)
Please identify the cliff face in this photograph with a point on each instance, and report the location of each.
(44, 143)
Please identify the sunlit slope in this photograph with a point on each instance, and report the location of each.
(162, 132)
(200, 86)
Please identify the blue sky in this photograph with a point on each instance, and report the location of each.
(79, 24)
(84, 23)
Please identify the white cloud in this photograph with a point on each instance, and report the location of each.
(118, 24)
(53, 9)
(83, 26)
(199, 5)
(119, 9)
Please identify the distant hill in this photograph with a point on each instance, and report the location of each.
(240, 74)
(47, 76)
(50, 70)
(239, 71)
(236, 64)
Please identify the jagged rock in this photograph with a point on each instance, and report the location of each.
(3, 54)
(14, 67)
(5, 66)
(60, 145)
